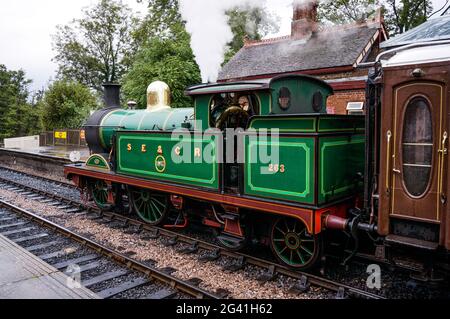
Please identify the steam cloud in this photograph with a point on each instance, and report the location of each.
(207, 22)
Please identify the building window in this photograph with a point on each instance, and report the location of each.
(355, 108)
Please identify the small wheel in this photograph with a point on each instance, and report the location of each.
(99, 191)
(150, 206)
(292, 245)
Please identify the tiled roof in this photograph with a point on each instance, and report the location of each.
(326, 49)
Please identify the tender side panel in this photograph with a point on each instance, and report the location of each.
(285, 124)
(165, 157)
(341, 124)
(340, 160)
(288, 177)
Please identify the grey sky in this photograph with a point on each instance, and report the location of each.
(26, 27)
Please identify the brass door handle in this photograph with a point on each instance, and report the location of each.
(396, 170)
(443, 152)
(388, 156)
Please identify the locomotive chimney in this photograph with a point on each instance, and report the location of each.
(304, 22)
(111, 95)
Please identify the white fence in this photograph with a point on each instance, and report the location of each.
(26, 142)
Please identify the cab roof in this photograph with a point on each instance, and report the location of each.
(239, 86)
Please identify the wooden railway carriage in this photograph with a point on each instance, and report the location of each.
(410, 107)
(170, 165)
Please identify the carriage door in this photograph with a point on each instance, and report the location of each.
(419, 142)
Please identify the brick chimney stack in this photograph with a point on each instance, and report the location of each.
(304, 22)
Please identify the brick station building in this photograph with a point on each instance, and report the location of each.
(331, 54)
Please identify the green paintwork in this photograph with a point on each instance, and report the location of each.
(340, 160)
(285, 124)
(341, 123)
(265, 101)
(161, 166)
(159, 120)
(97, 161)
(202, 103)
(296, 183)
(302, 90)
(301, 87)
(310, 123)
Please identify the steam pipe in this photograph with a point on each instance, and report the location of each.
(347, 224)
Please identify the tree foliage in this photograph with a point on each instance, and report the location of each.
(17, 116)
(403, 15)
(163, 20)
(66, 105)
(346, 11)
(253, 23)
(98, 47)
(165, 55)
(400, 15)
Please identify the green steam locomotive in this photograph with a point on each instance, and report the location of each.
(257, 161)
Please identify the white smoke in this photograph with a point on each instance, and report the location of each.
(207, 22)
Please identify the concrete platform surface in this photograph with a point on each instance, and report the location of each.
(55, 151)
(24, 276)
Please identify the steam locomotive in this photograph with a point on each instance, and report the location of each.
(381, 175)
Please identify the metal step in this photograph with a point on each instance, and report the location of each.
(411, 242)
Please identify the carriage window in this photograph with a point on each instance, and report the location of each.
(417, 146)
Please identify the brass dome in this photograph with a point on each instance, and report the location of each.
(158, 96)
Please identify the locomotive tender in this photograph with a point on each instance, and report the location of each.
(383, 173)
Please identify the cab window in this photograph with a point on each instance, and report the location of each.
(232, 109)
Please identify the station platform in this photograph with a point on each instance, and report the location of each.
(54, 151)
(24, 276)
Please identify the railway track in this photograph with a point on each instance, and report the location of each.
(107, 272)
(272, 270)
(38, 177)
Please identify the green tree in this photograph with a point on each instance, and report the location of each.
(165, 54)
(163, 20)
(403, 15)
(67, 105)
(168, 60)
(97, 48)
(253, 23)
(345, 11)
(17, 116)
